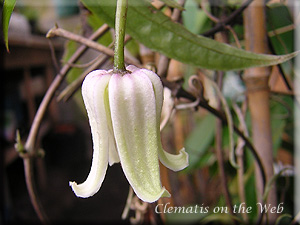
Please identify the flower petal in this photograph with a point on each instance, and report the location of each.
(132, 68)
(167, 108)
(173, 162)
(95, 96)
(133, 112)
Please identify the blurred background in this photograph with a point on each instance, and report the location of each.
(28, 70)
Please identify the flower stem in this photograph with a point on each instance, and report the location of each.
(120, 23)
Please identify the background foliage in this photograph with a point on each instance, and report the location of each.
(190, 51)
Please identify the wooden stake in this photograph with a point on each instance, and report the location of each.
(256, 80)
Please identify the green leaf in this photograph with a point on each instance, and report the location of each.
(198, 141)
(281, 108)
(8, 8)
(281, 33)
(220, 218)
(194, 19)
(172, 4)
(156, 31)
(183, 215)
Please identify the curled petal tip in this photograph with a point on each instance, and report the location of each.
(150, 198)
(80, 191)
(74, 185)
(71, 183)
(174, 162)
(165, 193)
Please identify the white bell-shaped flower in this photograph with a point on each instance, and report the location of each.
(124, 113)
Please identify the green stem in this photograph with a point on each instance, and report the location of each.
(120, 24)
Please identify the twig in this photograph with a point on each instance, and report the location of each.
(234, 35)
(219, 152)
(30, 183)
(69, 91)
(208, 14)
(240, 152)
(89, 43)
(196, 89)
(221, 25)
(53, 55)
(31, 139)
(229, 122)
(85, 65)
(281, 72)
(162, 66)
(217, 20)
(276, 33)
(56, 31)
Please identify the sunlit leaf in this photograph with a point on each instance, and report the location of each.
(8, 7)
(156, 31)
(172, 4)
(194, 19)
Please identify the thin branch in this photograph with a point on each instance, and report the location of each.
(217, 20)
(89, 43)
(229, 123)
(53, 55)
(162, 66)
(279, 66)
(219, 151)
(69, 91)
(56, 31)
(228, 20)
(87, 64)
(240, 152)
(234, 35)
(208, 14)
(276, 33)
(30, 183)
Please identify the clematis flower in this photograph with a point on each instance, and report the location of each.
(124, 113)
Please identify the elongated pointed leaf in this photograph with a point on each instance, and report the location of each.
(156, 31)
(8, 7)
